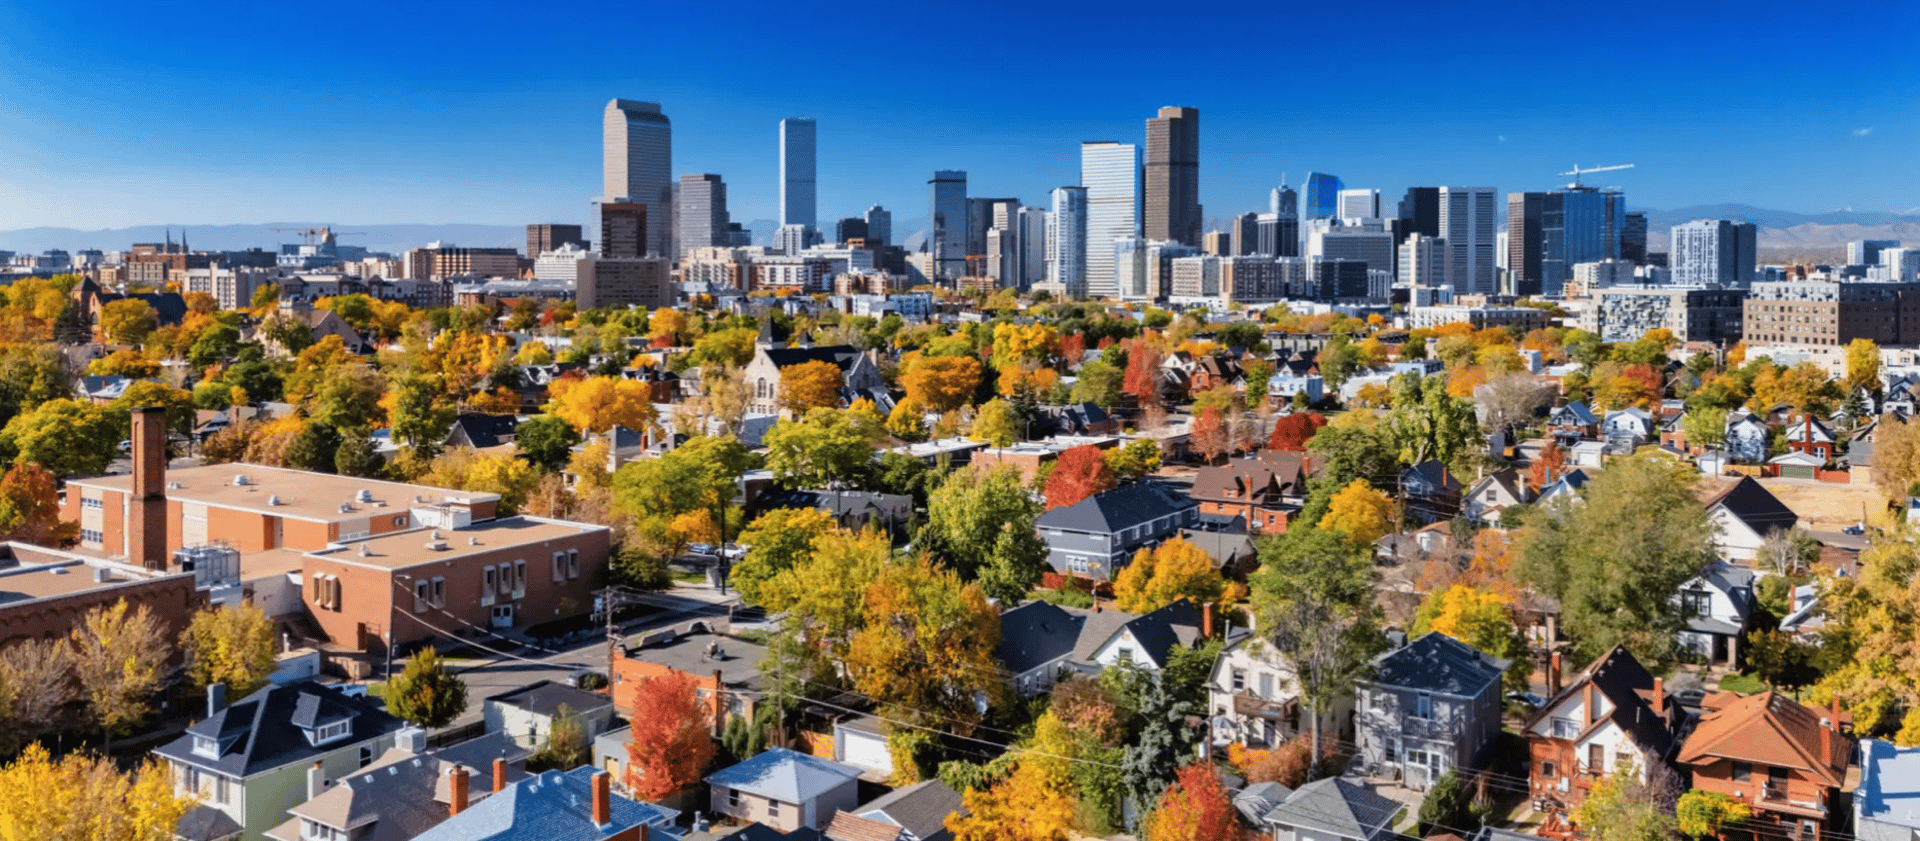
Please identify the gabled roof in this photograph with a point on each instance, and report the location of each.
(1279, 472)
(921, 809)
(1036, 633)
(1575, 413)
(785, 775)
(263, 731)
(1769, 729)
(1436, 475)
(841, 356)
(404, 794)
(1125, 507)
(1157, 632)
(1256, 800)
(1628, 687)
(1753, 505)
(482, 431)
(551, 806)
(1336, 805)
(1508, 480)
(1438, 663)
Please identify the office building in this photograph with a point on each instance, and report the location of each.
(1067, 246)
(1322, 199)
(1828, 312)
(442, 260)
(1633, 239)
(546, 236)
(1713, 252)
(1359, 204)
(703, 213)
(1589, 278)
(879, 227)
(1525, 214)
(797, 188)
(1144, 268)
(1217, 243)
(792, 239)
(623, 229)
(1173, 176)
(1549, 233)
(1467, 223)
(983, 215)
(1277, 232)
(1245, 234)
(1335, 279)
(1423, 261)
(1110, 172)
(1420, 213)
(1367, 244)
(1032, 242)
(1626, 313)
(1900, 265)
(1866, 252)
(637, 167)
(850, 229)
(947, 214)
(622, 282)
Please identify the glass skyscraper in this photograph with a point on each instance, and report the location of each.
(637, 166)
(798, 205)
(947, 215)
(1067, 241)
(1110, 172)
(1578, 226)
(1322, 197)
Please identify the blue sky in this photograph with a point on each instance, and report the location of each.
(121, 113)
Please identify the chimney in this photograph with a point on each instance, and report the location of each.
(719, 703)
(1206, 620)
(1553, 674)
(456, 790)
(216, 698)
(147, 530)
(1659, 695)
(316, 781)
(499, 774)
(602, 804)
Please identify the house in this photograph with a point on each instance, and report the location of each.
(859, 372)
(1431, 491)
(1430, 707)
(1230, 546)
(252, 761)
(861, 741)
(1612, 712)
(1716, 606)
(407, 791)
(1286, 384)
(1747, 438)
(1040, 642)
(527, 714)
(725, 668)
(1496, 491)
(1036, 640)
(320, 324)
(1333, 809)
(476, 431)
(1095, 537)
(1568, 485)
(1786, 760)
(1254, 698)
(1215, 370)
(1797, 464)
(1628, 428)
(1742, 513)
(1572, 421)
(1264, 492)
(919, 810)
(1808, 435)
(1886, 806)
(577, 805)
(853, 510)
(784, 789)
(1076, 419)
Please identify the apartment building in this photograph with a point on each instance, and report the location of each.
(1828, 312)
(1624, 314)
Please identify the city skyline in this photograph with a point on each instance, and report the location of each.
(400, 130)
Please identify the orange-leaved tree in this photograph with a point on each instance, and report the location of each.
(1080, 472)
(1292, 432)
(1210, 434)
(672, 736)
(597, 404)
(1195, 808)
(810, 385)
(942, 383)
(1164, 574)
(30, 508)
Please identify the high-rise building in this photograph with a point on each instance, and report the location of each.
(1633, 239)
(1832, 313)
(849, 229)
(546, 236)
(1032, 224)
(1322, 199)
(1525, 213)
(637, 167)
(1067, 246)
(1359, 204)
(1173, 176)
(1368, 246)
(879, 227)
(947, 214)
(1466, 222)
(1246, 234)
(797, 188)
(1420, 212)
(1423, 261)
(1548, 233)
(1866, 252)
(983, 215)
(1277, 232)
(623, 229)
(1110, 172)
(703, 212)
(1902, 265)
(1713, 252)
(793, 239)
(1217, 243)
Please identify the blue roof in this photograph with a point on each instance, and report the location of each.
(547, 807)
(785, 775)
(1889, 785)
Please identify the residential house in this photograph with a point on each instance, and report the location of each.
(1097, 536)
(1076, 419)
(1254, 698)
(1629, 428)
(1784, 759)
(528, 714)
(784, 789)
(1716, 606)
(859, 372)
(1264, 492)
(407, 791)
(1177, 372)
(1494, 492)
(1795, 464)
(1041, 643)
(320, 323)
(1214, 370)
(472, 430)
(854, 510)
(725, 668)
(1886, 806)
(1036, 640)
(1429, 707)
(1808, 435)
(1572, 421)
(577, 805)
(919, 810)
(1285, 384)
(1612, 713)
(1742, 513)
(1567, 485)
(1333, 809)
(1431, 491)
(1747, 438)
(252, 761)
(1900, 398)
(1229, 545)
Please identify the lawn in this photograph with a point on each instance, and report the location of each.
(1743, 684)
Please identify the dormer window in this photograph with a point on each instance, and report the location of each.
(331, 731)
(206, 746)
(313, 830)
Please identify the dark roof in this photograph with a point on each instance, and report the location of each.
(1755, 506)
(1436, 475)
(840, 355)
(842, 503)
(170, 307)
(1249, 479)
(1439, 663)
(1177, 624)
(1628, 687)
(206, 823)
(481, 431)
(545, 698)
(1256, 800)
(262, 732)
(920, 809)
(1036, 633)
(1122, 508)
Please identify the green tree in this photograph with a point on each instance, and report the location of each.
(231, 646)
(419, 419)
(349, 397)
(1354, 446)
(316, 447)
(777, 540)
(567, 746)
(1706, 426)
(1314, 595)
(428, 692)
(1165, 740)
(214, 344)
(998, 423)
(1444, 809)
(829, 445)
(1622, 807)
(358, 455)
(684, 494)
(980, 524)
(68, 437)
(546, 441)
(1426, 422)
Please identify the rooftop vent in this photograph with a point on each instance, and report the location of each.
(58, 570)
(345, 507)
(241, 479)
(419, 497)
(473, 541)
(365, 495)
(436, 534)
(366, 551)
(174, 486)
(101, 574)
(437, 545)
(273, 500)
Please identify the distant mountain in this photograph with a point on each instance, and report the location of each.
(389, 238)
(1660, 220)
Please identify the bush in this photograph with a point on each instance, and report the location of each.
(642, 570)
(1445, 806)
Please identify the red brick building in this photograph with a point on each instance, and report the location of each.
(1785, 759)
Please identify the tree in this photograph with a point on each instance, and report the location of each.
(942, 383)
(1195, 808)
(1705, 426)
(1428, 423)
(925, 651)
(546, 441)
(1078, 473)
(118, 655)
(36, 681)
(1099, 383)
(1703, 814)
(1291, 432)
(1363, 514)
(980, 524)
(30, 508)
(1210, 436)
(349, 397)
(725, 348)
(67, 437)
(427, 692)
(84, 796)
(814, 384)
(1164, 741)
(231, 646)
(1314, 595)
(1142, 379)
(1445, 806)
(127, 321)
(315, 447)
(690, 486)
(358, 455)
(1034, 803)
(1863, 366)
(1548, 466)
(1786, 552)
(1133, 459)
(418, 417)
(124, 363)
(1161, 575)
(671, 745)
(1781, 659)
(1480, 618)
(1512, 400)
(1615, 584)
(824, 597)
(778, 539)
(1622, 807)
(1355, 446)
(827, 446)
(997, 423)
(597, 404)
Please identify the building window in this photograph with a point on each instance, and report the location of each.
(1742, 771)
(519, 578)
(330, 731)
(1239, 679)
(92, 536)
(420, 592)
(400, 522)
(733, 798)
(366, 755)
(1596, 758)
(1565, 728)
(1694, 602)
(205, 746)
(1546, 770)
(439, 593)
(90, 502)
(559, 567)
(573, 563)
(1423, 706)
(1126, 655)
(773, 809)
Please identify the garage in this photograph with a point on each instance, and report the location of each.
(859, 742)
(1797, 465)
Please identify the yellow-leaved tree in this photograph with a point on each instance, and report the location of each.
(83, 796)
(1036, 802)
(596, 404)
(231, 646)
(942, 383)
(1363, 513)
(810, 385)
(1165, 574)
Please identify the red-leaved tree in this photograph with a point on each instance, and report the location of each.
(1292, 432)
(1079, 473)
(1143, 374)
(1210, 434)
(1073, 347)
(1548, 466)
(30, 508)
(1195, 808)
(672, 736)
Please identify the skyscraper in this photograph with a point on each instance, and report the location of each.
(1246, 233)
(1032, 222)
(546, 236)
(637, 166)
(1278, 230)
(1359, 204)
(1110, 172)
(850, 228)
(1173, 176)
(797, 196)
(1548, 233)
(623, 230)
(1633, 239)
(1322, 196)
(1067, 246)
(703, 212)
(1712, 252)
(1420, 212)
(879, 227)
(1525, 212)
(947, 214)
(1866, 252)
(1466, 222)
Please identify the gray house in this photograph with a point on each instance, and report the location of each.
(1095, 537)
(1431, 706)
(1333, 809)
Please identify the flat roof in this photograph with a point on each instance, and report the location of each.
(401, 549)
(303, 495)
(72, 576)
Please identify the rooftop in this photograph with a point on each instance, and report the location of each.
(785, 775)
(300, 494)
(548, 698)
(28, 573)
(402, 549)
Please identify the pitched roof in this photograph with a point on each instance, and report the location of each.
(921, 809)
(1256, 800)
(845, 826)
(1753, 505)
(1157, 632)
(546, 698)
(1769, 729)
(1628, 688)
(1036, 633)
(482, 431)
(1439, 663)
(206, 823)
(263, 731)
(1336, 805)
(840, 355)
(551, 806)
(1280, 471)
(1575, 412)
(1122, 508)
(404, 794)
(785, 775)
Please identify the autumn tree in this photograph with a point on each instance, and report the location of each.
(672, 741)
(925, 649)
(87, 796)
(1078, 473)
(231, 646)
(941, 383)
(68, 437)
(1482, 619)
(1142, 379)
(1363, 514)
(124, 363)
(36, 682)
(980, 524)
(1428, 423)
(1314, 596)
(30, 508)
(127, 321)
(1035, 802)
(1355, 445)
(119, 653)
(1548, 466)
(597, 404)
(998, 423)
(1133, 460)
(1291, 432)
(823, 597)
(427, 692)
(1622, 806)
(1161, 575)
(825, 446)
(1512, 400)
(1706, 814)
(1211, 437)
(1863, 366)
(814, 384)
(1195, 808)
(779, 539)
(684, 496)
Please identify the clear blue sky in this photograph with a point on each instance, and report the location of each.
(120, 113)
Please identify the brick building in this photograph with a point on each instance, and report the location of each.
(1822, 312)
(45, 592)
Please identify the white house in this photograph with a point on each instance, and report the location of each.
(1613, 711)
(1628, 424)
(1493, 492)
(1253, 698)
(1746, 438)
(1742, 514)
(1716, 607)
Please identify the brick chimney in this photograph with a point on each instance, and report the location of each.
(147, 526)
(499, 775)
(602, 800)
(1206, 620)
(456, 790)
(1553, 674)
(1659, 695)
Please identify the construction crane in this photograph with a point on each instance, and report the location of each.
(326, 234)
(1577, 172)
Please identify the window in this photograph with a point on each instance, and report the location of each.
(1776, 783)
(206, 746)
(1239, 679)
(330, 731)
(366, 755)
(1423, 706)
(1742, 771)
(487, 582)
(1546, 770)
(1565, 728)
(733, 798)
(1694, 602)
(421, 590)
(400, 522)
(773, 809)
(211, 787)
(439, 594)
(519, 578)
(559, 567)
(316, 831)
(1126, 655)
(573, 563)
(90, 502)
(92, 536)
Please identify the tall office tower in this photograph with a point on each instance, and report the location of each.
(879, 227)
(1866, 252)
(1423, 261)
(1902, 265)
(1111, 173)
(637, 166)
(1712, 252)
(1466, 221)
(545, 237)
(623, 230)
(1633, 239)
(1525, 213)
(1322, 199)
(984, 215)
(1580, 225)
(793, 239)
(703, 212)
(1359, 204)
(947, 214)
(1173, 176)
(1031, 222)
(1067, 241)
(1369, 243)
(797, 188)
(1217, 243)
(849, 229)
(1246, 231)
(1279, 228)
(1130, 267)
(1420, 212)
